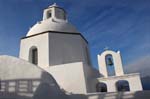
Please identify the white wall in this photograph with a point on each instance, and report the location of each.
(65, 48)
(77, 78)
(21, 80)
(90, 76)
(59, 49)
(115, 95)
(12, 68)
(133, 79)
(55, 49)
(70, 77)
(42, 44)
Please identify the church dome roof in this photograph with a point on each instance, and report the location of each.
(51, 25)
(54, 19)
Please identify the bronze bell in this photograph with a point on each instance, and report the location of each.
(109, 62)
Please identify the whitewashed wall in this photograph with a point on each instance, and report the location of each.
(21, 80)
(42, 44)
(70, 77)
(133, 79)
(55, 49)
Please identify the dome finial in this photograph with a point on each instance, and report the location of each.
(106, 48)
(53, 5)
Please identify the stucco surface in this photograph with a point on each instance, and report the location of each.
(69, 76)
(116, 95)
(55, 49)
(133, 79)
(22, 80)
(41, 42)
(117, 63)
(66, 48)
(49, 25)
(110, 81)
(62, 54)
(56, 22)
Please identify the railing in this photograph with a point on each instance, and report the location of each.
(23, 86)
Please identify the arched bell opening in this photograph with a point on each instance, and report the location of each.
(101, 87)
(122, 85)
(110, 65)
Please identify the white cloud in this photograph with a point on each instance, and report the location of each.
(141, 66)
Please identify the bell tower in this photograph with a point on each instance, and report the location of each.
(119, 81)
(110, 58)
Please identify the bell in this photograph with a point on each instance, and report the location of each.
(109, 62)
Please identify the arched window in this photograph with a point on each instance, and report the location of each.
(122, 85)
(33, 57)
(49, 14)
(101, 87)
(110, 65)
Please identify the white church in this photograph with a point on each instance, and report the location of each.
(54, 63)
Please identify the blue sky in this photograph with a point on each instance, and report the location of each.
(118, 24)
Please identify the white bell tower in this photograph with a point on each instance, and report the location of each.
(119, 81)
(117, 62)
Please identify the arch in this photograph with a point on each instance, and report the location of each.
(117, 68)
(49, 14)
(101, 87)
(122, 85)
(109, 52)
(60, 13)
(33, 55)
(110, 65)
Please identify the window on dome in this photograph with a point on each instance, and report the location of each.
(49, 15)
(60, 14)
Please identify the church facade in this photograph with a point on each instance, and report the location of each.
(55, 55)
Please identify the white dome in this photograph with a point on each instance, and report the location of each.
(51, 25)
(54, 19)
